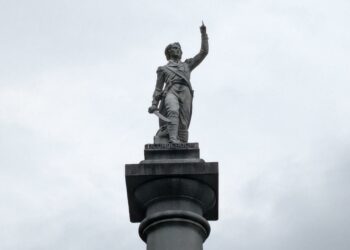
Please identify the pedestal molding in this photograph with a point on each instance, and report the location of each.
(176, 188)
(174, 216)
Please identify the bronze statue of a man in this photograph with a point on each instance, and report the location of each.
(174, 100)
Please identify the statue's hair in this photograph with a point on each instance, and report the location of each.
(167, 50)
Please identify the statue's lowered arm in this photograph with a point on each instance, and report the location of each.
(157, 94)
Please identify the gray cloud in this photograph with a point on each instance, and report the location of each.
(271, 105)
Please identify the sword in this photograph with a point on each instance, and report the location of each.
(162, 117)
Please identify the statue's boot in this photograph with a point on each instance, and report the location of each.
(173, 128)
(183, 135)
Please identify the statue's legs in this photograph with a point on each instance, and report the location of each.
(178, 104)
(172, 107)
(185, 112)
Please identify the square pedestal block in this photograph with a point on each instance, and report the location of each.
(164, 161)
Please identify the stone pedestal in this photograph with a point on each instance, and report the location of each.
(173, 193)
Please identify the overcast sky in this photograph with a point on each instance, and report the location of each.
(271, 106)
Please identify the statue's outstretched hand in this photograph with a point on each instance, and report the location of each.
(152, 109)
(203, 28)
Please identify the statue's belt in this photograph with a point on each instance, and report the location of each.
(180, 82)
(171, 84)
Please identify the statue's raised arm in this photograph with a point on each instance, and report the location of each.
(197, 59)
(173, 94)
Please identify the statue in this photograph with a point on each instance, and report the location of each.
(172, 103)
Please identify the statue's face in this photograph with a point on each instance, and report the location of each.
(175, 51)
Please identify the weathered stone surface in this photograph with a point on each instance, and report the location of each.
(170, 161)
(173, 193)
(171, 151)
(139, 174)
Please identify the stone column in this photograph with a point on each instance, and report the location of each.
(173, 193)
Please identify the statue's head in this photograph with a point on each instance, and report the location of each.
(173, 51)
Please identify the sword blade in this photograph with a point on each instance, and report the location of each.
(162, 117)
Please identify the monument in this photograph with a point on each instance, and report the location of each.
(173, 192)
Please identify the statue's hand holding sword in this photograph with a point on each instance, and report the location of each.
(154, 110)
